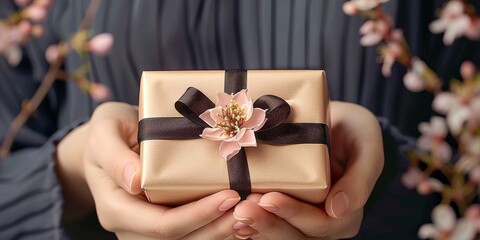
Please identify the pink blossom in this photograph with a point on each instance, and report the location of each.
(453, 21)
(22, 3)
(391, 51)
(475, 174)
(36, 13)
(446, 225)
(233, 121)
(433, 136)
(412, 177)
(52, 54)
(354, 6)
(466, 163)
(101, 44)
(467, 70)
(373, 31)
(413, 80)
(458, 109)
(99, 92)
(429, 185)
(473, 214)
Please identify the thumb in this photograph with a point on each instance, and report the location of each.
(113, 135)
(349, 193)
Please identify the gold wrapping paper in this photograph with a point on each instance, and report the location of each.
(180, 171)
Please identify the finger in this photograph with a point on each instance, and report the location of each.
(268, 226)
(364, 151)
(120, 211)
(311, 220)
(220, 228)
(110, 144)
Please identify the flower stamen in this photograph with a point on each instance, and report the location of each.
(233, 118)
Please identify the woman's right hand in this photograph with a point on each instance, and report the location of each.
(103, 155)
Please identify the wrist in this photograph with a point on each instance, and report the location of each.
(69, 156)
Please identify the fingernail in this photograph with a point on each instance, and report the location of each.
(269, 207)
(245, 220)
(128, 174)
(228, 203)
(340, 204)
(241, 236)
(239, 225)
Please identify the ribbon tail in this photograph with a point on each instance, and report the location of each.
(239, 175)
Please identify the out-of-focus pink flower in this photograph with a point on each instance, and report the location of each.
(101, 44)
(413, 78)
(22, 3)
(52, 54)
(99, 92)
(429, 185)
(474, 174)
(391, 51)
(466, 163)
(473, 214)
(458, 108)
(373, 31)
(354, 6)
(412, 177)
(433, 137)
(446, 225)
(233, 121)
(454, 22)
(36, 13)
(467, 70)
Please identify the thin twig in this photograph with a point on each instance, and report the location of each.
(31, 106)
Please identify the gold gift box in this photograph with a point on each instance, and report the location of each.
(180, 171)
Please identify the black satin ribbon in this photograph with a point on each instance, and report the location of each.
(275, 131)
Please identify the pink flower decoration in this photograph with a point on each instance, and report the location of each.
(447, 226)
(412, 177)
(36, 13)
(433, 136)
(453, 21)
(52, 54)
(391, 52)
(374, 31)
(413, 79)
(99, 92)
(473, 214)
(354, 6)
(101, 44)
(429, 185)
(467, 70)
(233, 121)
(457, 108)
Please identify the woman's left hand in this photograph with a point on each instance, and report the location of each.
(357, 161)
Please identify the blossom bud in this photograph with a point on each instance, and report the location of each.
(101, 44)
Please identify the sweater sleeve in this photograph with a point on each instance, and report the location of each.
(31, 198)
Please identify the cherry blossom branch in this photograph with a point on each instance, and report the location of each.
(55, 55)
(461, 105)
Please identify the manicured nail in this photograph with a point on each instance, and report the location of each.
(245, 220)
(241, 236)
(239, 225)
(228, 203)
(128, 174)
(269, 207)
(340, 204)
